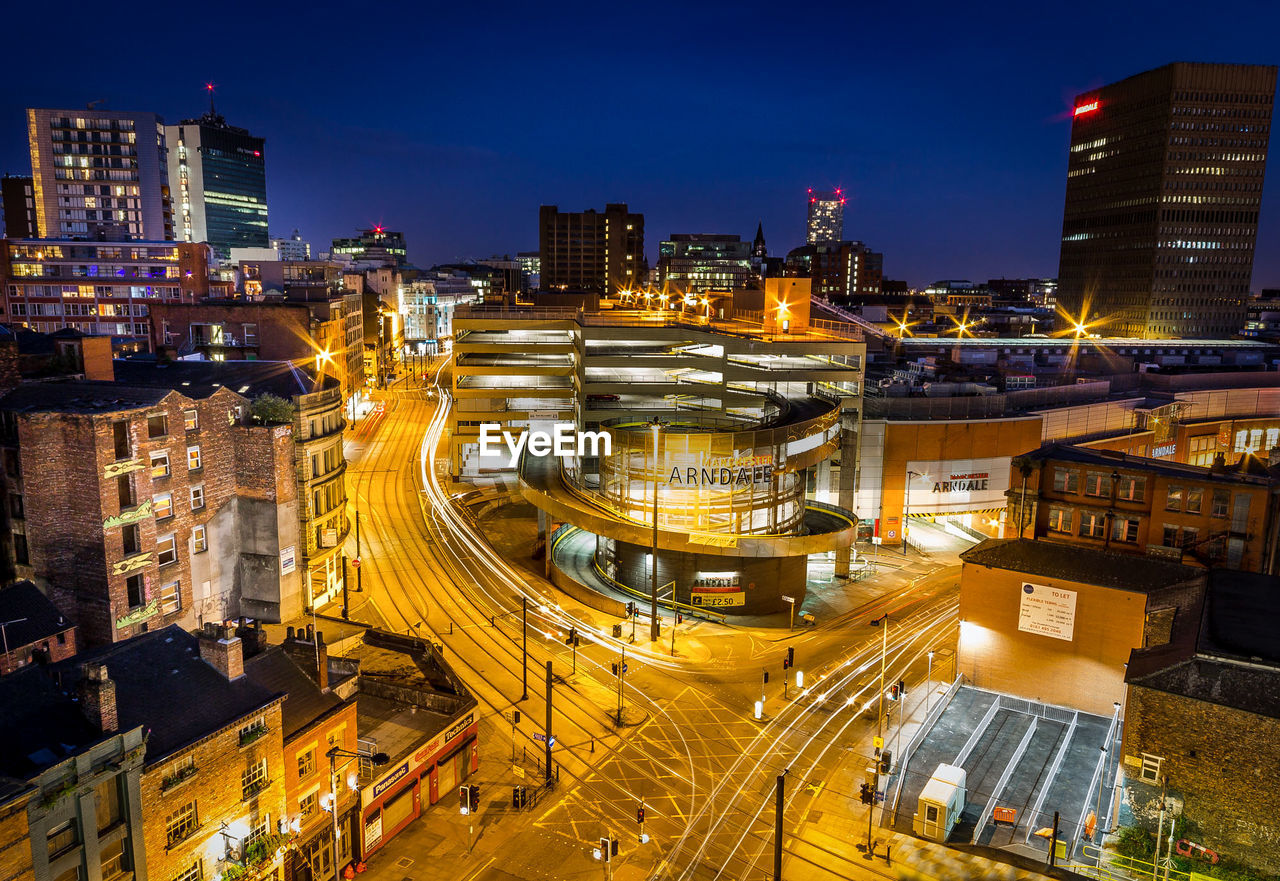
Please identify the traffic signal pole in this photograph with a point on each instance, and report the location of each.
(777, 827)
(547, 775)
(524, 630)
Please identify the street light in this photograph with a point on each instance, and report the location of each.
(906, 510)
(654, 631)
(333, 754)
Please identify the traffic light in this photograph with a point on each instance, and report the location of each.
(640, 815)
(573, 636)
(473, 798)
(868, 796)
(615, 669)
(464, 800)
(902, 688)
(893, 692)
(515, 796)
(515, 718)
(613, 847)
(631, 609)
(791, 656)
(886, 761)
(766, 677)
(604, 849)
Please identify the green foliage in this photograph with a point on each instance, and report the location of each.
(1136, 843)
(262, 849)
(271, 409)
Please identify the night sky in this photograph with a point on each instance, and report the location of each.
(946, 124)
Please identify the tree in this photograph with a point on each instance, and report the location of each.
(270, 409)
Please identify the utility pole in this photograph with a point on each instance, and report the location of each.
(524, 630)
(547, 772)
(654, 632)
(359, 574)
(344, 587)
(777, 827)
(622, 673)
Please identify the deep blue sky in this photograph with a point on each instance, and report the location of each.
(947, 124)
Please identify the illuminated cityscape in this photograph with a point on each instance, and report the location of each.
(436, 531)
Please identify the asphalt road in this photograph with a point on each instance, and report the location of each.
(689, 748)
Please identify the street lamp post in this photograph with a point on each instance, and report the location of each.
(929, 687)
(654, 628)
(906, 510)
(334, 754)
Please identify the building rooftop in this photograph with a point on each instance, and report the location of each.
(1248, 470)
(275, 671)
(41, 725)
(1227, 654)
(199, 379)
(80, 396)
(34, 617)
(1049, 559)
(396, 728)
(164, 685)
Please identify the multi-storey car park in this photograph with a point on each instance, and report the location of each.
(754, 422)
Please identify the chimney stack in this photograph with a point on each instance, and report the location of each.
(322, 665)
(225, 652)
(97, 695)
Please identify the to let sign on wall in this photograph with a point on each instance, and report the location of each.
(1048, 611)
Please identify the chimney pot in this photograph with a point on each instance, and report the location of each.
(225, 654)
(97, 694)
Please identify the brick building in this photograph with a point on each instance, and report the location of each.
(35, 629)
(65, 741)
(315, 719)
(1203, 720)
(160, 498)
(1055, 623)
(1215, 516)
(212, 784)
(323, 330)
(102, 288)
(15, 846)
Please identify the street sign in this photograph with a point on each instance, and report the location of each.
(879, 742)
(875, 539)
(542, 738)
(787, 599)
(355, 564)
(518, 771)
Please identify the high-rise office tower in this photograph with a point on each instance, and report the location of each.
(826, 217)
(1164, 183)
(696, 262)
(219, 177)
(99, 175)
(589, 251)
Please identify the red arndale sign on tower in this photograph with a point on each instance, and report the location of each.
(1086, 108)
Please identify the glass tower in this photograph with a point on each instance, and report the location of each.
(218, 173)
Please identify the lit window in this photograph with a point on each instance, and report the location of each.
(192, 873)
(199, 540)
(1131, 489)
(1173, 501)
(1060, 519)
(307, 804)
(197, 497)
(181, 823)
(162, 505)
(1195, 496)
(190, 419)
(166, 550)
(193, 458)
(1273, 438)
(254, 779)
(1097, 483)
(160, 463)
(1124, 529)
(306, 762)
(170, 597)
(1242, 440)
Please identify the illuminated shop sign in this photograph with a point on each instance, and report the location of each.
(707, 600)
(1163, 450)
(725, 471)
(717, 580)
(963, 483)
(1086, 108)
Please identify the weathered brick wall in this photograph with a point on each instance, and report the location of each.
(1222, 762)
(15, 848)
(342, 724)
(217, 791)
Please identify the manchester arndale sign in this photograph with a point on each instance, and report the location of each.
(725, 472)
(946, 486)
(564, 440)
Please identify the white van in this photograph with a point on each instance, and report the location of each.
(941, 802)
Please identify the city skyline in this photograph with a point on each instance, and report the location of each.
(948, 175)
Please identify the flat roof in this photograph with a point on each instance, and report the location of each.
(1070, 562)
(1110, 459)
(1069, 342)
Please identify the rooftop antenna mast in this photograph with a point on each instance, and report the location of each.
(209, 87)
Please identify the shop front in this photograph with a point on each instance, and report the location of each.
(419, 779)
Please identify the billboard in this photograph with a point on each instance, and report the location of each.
(949, 486)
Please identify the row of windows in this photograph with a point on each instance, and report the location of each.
(1125, 530)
